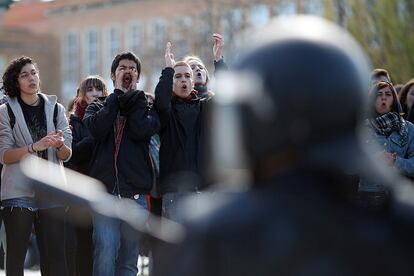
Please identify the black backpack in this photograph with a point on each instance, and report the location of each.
(13, 118)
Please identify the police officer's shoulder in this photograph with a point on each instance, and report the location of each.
(402, 201)
(213, 209)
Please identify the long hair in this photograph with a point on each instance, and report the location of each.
(403, 95)
(90, 81)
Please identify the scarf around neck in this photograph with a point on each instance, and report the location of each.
(388, 123)
(189, 98)
(80, 108)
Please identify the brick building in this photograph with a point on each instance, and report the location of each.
(90, 32)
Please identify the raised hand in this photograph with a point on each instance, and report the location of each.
(169, 56)
(218, 44)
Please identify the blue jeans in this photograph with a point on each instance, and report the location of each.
(114, 254)
(20, 202)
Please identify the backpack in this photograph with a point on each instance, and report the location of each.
(13, 118)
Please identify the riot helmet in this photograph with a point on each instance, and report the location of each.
(299, 93)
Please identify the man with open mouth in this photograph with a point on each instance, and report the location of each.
(122, 125)
(181, 113)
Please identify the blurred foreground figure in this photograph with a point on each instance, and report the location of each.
(299, 96)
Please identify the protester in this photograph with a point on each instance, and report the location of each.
(31, 123)
(394, 137)
(398, 88)
(122, 125)
(80, 256)
(200, 73)
(303, 83)
(378, 75)
(181, 113)
(406, 98)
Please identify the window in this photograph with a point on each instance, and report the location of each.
(259, 15)
(287, 8)
(158, 33)
(91, 53)
(70, 65)
(232, 22)
(183, 30)
(314, 7)
(202, 48)
(113, 47)
(135, 38)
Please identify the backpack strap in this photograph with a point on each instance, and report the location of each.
(11, 116)
(55, 113)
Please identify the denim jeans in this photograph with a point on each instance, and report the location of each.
(114, 254)
(21, 202)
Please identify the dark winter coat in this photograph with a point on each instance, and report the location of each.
(182, 135)
(299, 224)
(133, 163)
(82, 145)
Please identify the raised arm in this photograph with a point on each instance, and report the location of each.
(218, 44)
(164, 89)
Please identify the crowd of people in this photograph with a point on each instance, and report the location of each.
(151, 149)
(136, 144)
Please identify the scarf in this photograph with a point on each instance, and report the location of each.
(189, 98)
(201, 89)
(80, 108)
(388, 123)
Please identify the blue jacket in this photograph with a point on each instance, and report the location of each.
(402, 143)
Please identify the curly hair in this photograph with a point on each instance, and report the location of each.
(11, 75)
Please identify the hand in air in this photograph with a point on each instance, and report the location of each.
(218, 44)
(169, 56)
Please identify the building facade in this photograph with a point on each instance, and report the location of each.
(91, 32)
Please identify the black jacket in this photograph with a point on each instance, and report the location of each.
(133, 163)
(300, 224)
(82, 146)
(181, 134)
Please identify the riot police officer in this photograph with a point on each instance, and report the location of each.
(299, 114)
